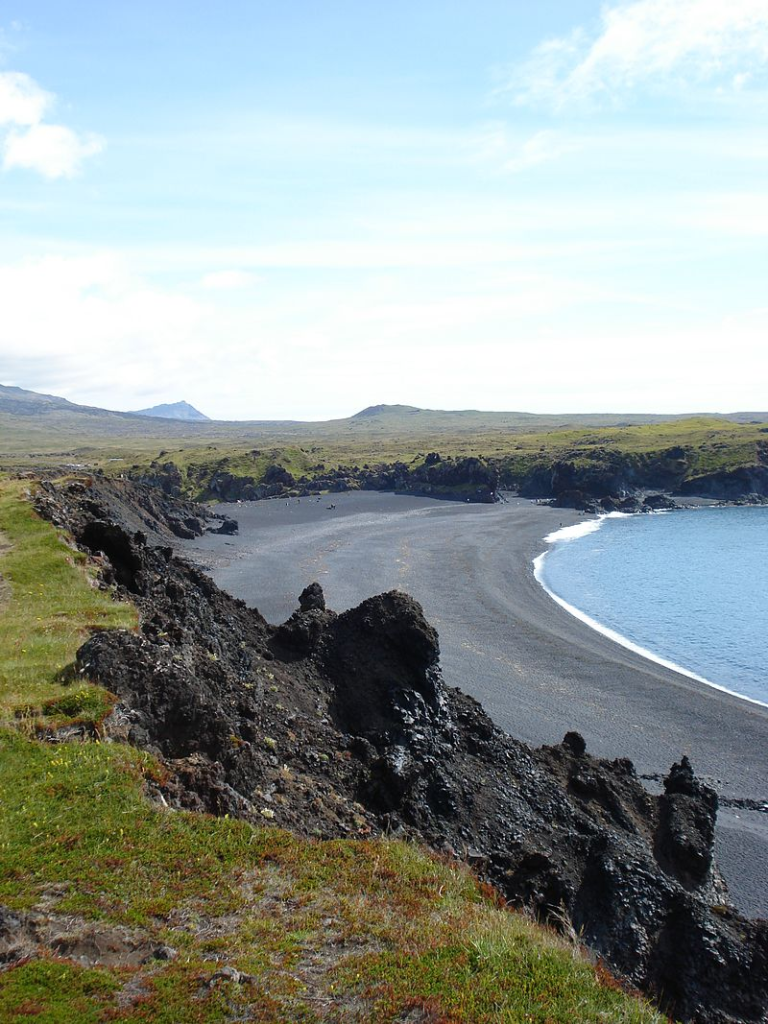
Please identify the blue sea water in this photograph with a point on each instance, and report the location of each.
(688, 587)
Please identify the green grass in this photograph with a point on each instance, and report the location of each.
(51, 992)
(323, 931)
(52, 608)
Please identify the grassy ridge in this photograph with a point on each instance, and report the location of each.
(335, 931)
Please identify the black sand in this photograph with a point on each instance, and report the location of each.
(538, 670)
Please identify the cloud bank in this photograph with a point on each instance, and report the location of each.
(29, 142)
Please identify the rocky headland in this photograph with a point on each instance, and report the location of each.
(595, 480)
(340, 725)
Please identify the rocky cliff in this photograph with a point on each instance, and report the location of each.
(594, 479)
(340, 725)
(605, 477)
(463, 479)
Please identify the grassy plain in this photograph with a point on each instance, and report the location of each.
(364, 931)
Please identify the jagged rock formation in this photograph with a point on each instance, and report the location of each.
(340, 725)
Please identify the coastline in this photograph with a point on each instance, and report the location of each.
(538, 670)
(612, 634)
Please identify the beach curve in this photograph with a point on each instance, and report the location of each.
(538, 670)
(569, 533)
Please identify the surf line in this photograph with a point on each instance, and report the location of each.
(569, 533)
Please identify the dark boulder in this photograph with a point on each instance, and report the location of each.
(657, 502)
(382, 659)
(301, 633)
(228, 527)
(312, 598)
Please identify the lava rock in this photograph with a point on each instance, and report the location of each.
(347, 718)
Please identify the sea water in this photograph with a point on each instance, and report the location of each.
(688, 588)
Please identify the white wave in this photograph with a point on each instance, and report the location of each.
(582, 529)
(611, 634)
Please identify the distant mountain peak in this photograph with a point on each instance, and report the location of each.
(173, 411)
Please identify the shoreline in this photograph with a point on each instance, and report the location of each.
(612, 634)
(538, 670)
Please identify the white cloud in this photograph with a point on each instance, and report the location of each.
(30, 143)
(91, 310)
(652, 44)
(22, 101)
(229, 280)
(50, 149)
(97, 329)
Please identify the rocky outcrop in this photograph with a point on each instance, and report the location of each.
(341, 725)
(165, 476)
(135, 507)
(602, 479)
(747, 481)
(590, 479)
(462, 479)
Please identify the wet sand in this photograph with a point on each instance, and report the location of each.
(537, 669)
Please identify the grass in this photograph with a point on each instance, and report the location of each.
(365, 931)
(54, 604)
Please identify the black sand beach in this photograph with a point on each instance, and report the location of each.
(538, 670)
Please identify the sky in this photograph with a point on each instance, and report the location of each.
(299, 209)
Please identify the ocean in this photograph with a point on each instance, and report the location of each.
(687, 588)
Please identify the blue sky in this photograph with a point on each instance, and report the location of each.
(299, 209)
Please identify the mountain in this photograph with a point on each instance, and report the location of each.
(174, 411)
(19, 402)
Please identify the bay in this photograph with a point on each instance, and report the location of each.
(688, 587)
